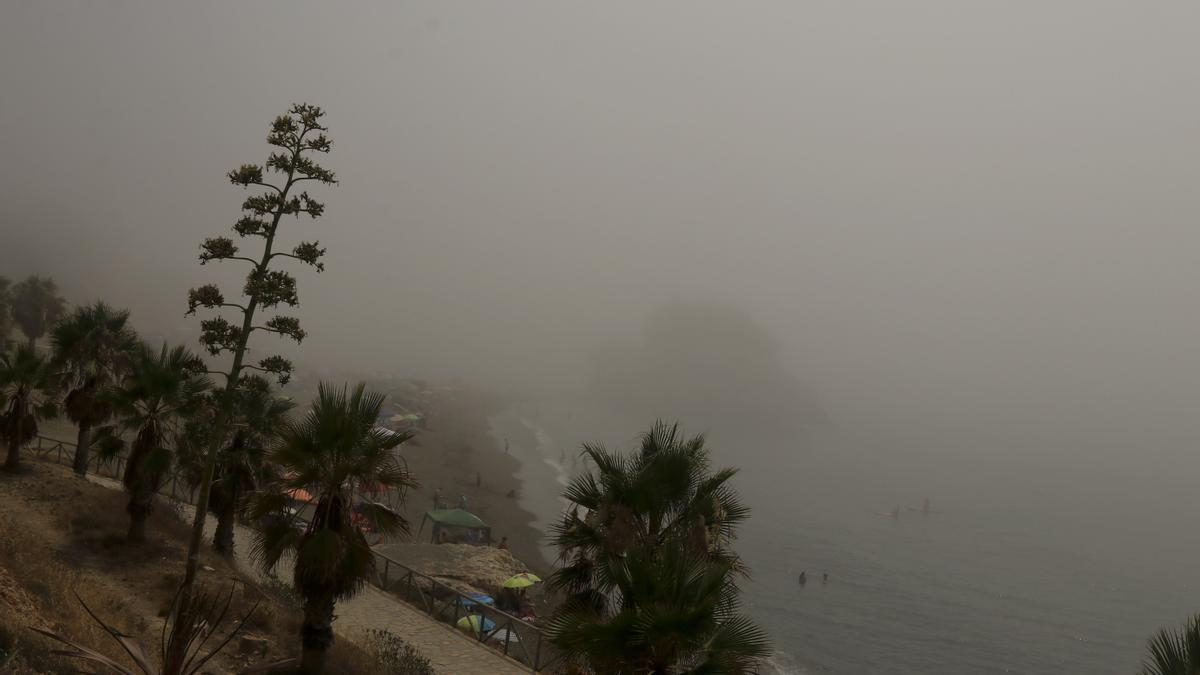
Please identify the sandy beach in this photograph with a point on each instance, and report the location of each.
(459, 455)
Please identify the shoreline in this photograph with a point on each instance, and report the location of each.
(542, 480)
(460, 454)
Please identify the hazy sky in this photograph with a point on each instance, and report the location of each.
(949, 214)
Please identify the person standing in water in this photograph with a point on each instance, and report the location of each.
(825, 577)
(803, 578)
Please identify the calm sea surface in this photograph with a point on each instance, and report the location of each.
(1046, 561)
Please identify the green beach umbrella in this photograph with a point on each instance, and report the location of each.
(522, 580)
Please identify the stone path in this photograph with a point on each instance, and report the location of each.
(451, 652)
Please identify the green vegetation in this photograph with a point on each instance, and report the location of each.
(93, 348)
(159, 395)
(26, 396)
(297, 135)
(1175, 652)
(331, 453)
(258, 418)
(649, 572)
(394, 656)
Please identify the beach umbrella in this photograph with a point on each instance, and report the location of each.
(522, 580)
(472, 622)
(481, 598)
(299, 494)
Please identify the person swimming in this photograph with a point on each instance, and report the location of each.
(803, 578)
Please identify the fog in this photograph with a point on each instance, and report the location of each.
(950, 220)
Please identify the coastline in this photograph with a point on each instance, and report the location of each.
(541, 477)
(460, 454)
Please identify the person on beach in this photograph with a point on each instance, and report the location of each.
(437, 498)
(503, 545)
(825, 577)
(462, 502)
(506, 446)
(803, 578)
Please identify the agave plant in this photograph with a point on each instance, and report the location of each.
(185, 634)
(1175, 651)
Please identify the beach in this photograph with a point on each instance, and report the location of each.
(459, 454)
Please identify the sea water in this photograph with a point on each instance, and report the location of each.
(1044, 560)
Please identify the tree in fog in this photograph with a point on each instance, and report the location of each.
(93, 347)
(36, 306)
(5, 312)
(330, 454)
(298, 136)
(27, 395)
(648, 569)
(161, 392)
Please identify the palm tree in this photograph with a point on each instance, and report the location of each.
(93, 346)
(330, 454)
(647, 564)
(36, 306)
(155, 399)
(259, 416)
(1175, 652)
(27, 395)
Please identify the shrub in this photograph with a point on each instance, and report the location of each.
(395, 656)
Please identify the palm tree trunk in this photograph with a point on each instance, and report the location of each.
(137, 525)
(83, 445)
(13, 460)
(139, 512)
(226, 517)
(316, 634)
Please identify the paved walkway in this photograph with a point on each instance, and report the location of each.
(451, 652)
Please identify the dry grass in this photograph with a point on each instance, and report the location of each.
(60, 536)
(49, 587)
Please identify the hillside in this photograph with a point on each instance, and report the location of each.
(61, 536)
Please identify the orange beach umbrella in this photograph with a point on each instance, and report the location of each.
(299, 494)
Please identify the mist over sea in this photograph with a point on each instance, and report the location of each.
(1035, 560)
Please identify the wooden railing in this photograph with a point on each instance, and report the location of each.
(514, 637)
(63, 452)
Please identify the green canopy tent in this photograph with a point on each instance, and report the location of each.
(461, 527)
